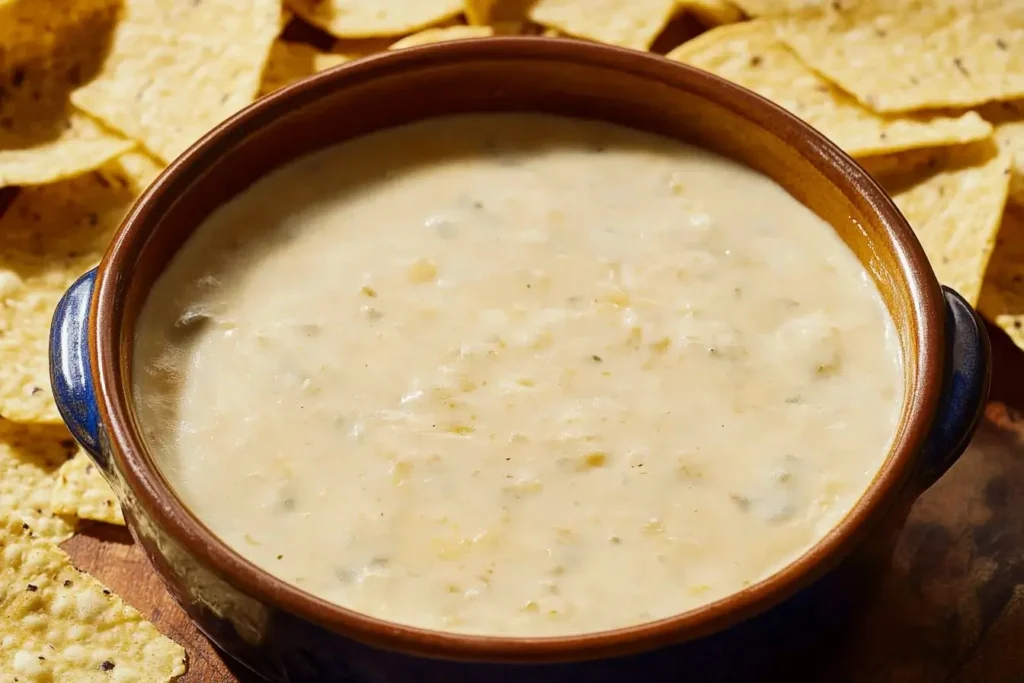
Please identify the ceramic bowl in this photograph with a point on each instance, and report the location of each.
(286, 634)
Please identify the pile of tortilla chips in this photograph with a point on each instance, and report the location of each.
(96, 96)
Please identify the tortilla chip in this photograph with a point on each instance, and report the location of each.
(82, 492)
(137, 169)
(712, 12)
(778, 8)
(361, 19)
(492, 12)
(782, 8)
(954, 201)
(1008, 118)
(928, 54)
(629, 23)
(60, 624)
(514, 28)
(1002, 298)
(749, 54)
(30, 28)
(441, 35)
(290, 62)
(30, 457)
(478, 12)
(49, 236)
(42, 137)
(176, 69)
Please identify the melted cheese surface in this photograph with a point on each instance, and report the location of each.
(517, 374)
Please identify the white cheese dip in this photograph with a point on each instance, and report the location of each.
(517, 374)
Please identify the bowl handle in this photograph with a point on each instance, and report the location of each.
(967, 377)
(71, 367)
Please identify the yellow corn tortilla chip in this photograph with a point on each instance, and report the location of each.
(919, 54)
(290, 62)
(176, 69)
(629, 23)
(494, 12)
(30, 457)
(82, 492)
(42, 137)
(478, 12)
(712, 12)
(781, 8)
(512, 28)
(60, 624)
(778, 8)
(441, 35)
(359, 47)
(954, 198)
(49, 236)
(1008, 118)
(750, 55)
(30, 28)
(361, 19)
(1002, 297)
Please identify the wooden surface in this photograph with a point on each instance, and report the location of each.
(951, 609)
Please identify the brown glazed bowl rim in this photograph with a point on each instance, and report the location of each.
(165, 509)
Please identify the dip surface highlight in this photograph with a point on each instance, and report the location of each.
(516, 374)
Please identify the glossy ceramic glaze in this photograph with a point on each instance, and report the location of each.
(288, 635)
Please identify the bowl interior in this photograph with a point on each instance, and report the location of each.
(538, 75)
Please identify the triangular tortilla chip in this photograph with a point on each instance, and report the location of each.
(30, 457)
(49, 236)
(629, 23)
(82, 492)
(911, 55)
(1002, 298)
(290, 62)
(59, 624)
(954, 198)
(441, 35)
(42, 137)
(750, 55)
(360, 19)
(712, 12)
(176, 69)
(1008, 118)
